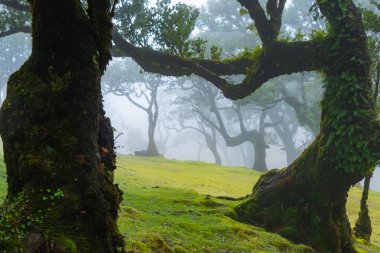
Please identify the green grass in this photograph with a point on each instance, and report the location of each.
(162, 202)
(169, 207)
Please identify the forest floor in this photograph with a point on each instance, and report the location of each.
(171, 206)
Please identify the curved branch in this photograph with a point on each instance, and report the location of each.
(268, 29)
(240, 117)
(135, 103)
(275, 59)
(171, 65)
(273, 124)
(248, 136)
(14, 30)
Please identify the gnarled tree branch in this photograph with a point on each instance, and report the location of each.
(278, 58)
(14, 30)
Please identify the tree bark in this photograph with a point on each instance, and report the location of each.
(211, 144)
(363, 227)
(58, 145)
(259, 163)
(152, 148)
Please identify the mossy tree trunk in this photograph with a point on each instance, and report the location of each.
(306, 201)
(58, 145)
(363, 227)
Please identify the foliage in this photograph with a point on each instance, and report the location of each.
(11, 19)
(164, 26)
(346, 139)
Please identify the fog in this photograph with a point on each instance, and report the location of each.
(183, 112)
(127, 119)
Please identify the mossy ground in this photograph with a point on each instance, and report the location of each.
(166, 208)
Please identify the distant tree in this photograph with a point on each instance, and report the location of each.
(163, 27)
(124, 79)
(235, 123)
(304, 99)
(188, 119)
(285, 129)
(209, 134)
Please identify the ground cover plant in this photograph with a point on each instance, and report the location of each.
(171, 206)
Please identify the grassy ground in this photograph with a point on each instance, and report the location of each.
(169, 207)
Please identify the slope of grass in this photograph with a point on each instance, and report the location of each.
(173, 177)
(170, 206)
(162, 207)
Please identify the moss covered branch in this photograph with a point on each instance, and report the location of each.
(257, 65)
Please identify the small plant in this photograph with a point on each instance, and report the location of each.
(58, 194)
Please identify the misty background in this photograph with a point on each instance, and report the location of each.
(194, 121)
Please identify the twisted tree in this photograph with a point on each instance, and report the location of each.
(363, 227)
(306, 201)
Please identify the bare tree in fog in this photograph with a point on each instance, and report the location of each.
(124, 79)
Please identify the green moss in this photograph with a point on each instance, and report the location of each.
(291, 233)
(68, 244)
(209, 202)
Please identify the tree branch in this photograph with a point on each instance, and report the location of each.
(268, 29)
(135, 103)
(14, 30)
(273, 124)
(14, 4)
(171, 65)
(278, 58)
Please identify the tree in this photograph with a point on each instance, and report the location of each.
(163, 27)
(285, 129)
(58, 145)
(363, 228)
(306, 103)
(133, 86)
(306, 201)
(235, 122)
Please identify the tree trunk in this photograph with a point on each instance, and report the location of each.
(306, 201)
(58, 145)
(214, 150)
(363, 228)
(211, 144)
(259, 163)
(290, 150)
(260, 145)
(152, 148)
